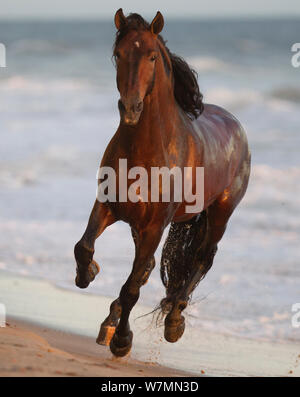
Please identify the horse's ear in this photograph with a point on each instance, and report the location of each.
(157, 24)
(120, 19)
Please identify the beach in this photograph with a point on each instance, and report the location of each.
(52, 331)
(58, 112)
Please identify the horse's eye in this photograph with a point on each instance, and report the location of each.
(153, 58)
(117, 55)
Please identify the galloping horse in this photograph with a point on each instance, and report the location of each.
(164, 123)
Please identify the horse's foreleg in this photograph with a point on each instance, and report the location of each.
(146, 242)
(151, 263)
(109, 325)
(87, 268)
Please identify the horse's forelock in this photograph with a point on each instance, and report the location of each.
(134, 22)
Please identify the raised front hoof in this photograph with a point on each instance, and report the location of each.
(105, 335)
(120, 346)
(84, 278)
(174, 329)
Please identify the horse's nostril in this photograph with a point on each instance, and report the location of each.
(121, 105)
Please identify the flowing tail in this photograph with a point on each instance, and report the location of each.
(181, 253)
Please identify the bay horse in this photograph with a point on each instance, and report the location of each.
(164, 123)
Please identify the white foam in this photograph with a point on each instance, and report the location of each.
(209, 64)
(21, 83)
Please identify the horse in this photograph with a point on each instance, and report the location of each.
(164, 123)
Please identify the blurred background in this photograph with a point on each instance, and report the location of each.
(58, 111)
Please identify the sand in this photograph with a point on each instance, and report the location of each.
(30, 350)
(52, 332)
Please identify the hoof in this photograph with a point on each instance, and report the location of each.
(174, 329)
(120, 345)
(105, 335)
(84, 278)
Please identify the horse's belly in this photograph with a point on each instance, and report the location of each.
(141, 214)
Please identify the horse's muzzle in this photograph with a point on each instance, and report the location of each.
(130, 113)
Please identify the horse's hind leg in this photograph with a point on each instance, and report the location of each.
(201, 263)
(109, 325)
(87, 268)
(217, 215)
(146, 243)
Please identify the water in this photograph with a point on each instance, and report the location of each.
(58, 111)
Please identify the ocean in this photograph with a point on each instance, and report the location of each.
(58, 111)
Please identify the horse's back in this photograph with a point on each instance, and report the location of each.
(221, 133)
(216, 123)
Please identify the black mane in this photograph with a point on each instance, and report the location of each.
(186, 89)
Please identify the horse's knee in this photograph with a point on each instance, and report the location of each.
(87, 268)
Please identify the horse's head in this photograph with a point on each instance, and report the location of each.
(135, 53)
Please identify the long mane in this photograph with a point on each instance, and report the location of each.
(186, 89)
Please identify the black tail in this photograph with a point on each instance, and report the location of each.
(180, 255)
